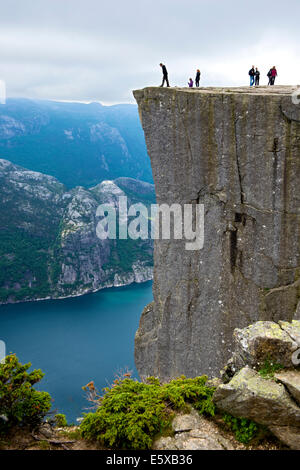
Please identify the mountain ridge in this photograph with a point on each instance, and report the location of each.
(49, 247)
(80, 144)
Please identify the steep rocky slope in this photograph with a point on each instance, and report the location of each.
(77, 143)
(48, 241)
(237, 152)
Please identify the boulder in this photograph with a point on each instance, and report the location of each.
(288, 435)
(291, 379)
(193, 432)
(46, 430)
(186, 422)
(248, 395)
(264, 340)
(197, 441)
(292, 328)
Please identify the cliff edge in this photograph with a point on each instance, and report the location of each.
(237, 151)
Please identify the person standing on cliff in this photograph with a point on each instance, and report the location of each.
(273, 75)
(197, 79)
(165, 75)
(252, 75)
(269, 75)
(257, 76)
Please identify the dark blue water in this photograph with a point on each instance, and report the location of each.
(76, 340)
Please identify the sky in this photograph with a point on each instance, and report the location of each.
(95, 50)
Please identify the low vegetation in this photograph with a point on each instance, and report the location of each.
(60, 420)
(20, 404)
(130, 413)
(127, 415)
(245, 430)
(269, 368)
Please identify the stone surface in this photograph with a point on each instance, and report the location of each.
(288, 435)
(185, 441)
(186, 422)
(291, 379)
(262, 400)
(46, 430)
(263, 341)
(193, 432)
(292, 329)
(236, 151)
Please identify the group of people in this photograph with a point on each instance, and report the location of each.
(254, 74)
(197, 80)
(190, 82)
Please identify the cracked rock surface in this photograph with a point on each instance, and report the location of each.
(235, 150)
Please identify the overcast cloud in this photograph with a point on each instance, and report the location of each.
(95, 50)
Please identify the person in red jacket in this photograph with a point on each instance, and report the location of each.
(273, 75)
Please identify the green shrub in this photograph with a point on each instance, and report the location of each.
(131, 413)
(244, 429)
(60, 420)
(20, 403)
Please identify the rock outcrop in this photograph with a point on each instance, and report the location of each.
(264, 341)
(255, 391)
(248, 395)
(237, 152)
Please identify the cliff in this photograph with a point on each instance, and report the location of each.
(48, 242)
(237, 151)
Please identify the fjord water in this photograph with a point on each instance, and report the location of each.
(76, 340)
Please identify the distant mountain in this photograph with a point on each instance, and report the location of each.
(79, 144)
(48, 242)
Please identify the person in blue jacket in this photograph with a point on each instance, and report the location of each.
(252, 75)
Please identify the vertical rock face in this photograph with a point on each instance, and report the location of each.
(237, 151)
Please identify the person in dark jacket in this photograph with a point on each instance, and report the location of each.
(257, 76)
(269, 75)
(252, 75)
(165, 75)
(197, 79)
